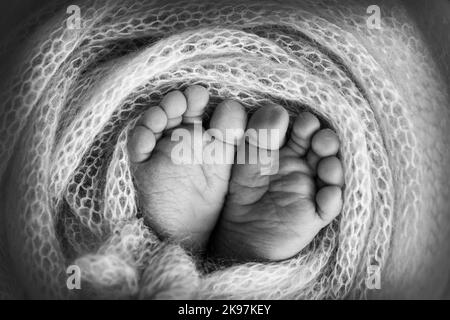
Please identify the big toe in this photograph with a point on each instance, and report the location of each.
(228, 121)
(268, 126)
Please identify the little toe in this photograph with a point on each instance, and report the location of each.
(289, 163)
(329, 203)
(325, 143)
(174, 105)
(141, 144)
(197, 98)
(267, 127)
(304, 127)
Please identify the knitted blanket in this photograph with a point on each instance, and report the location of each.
(78, 83)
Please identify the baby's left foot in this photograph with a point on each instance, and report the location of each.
(273, 217)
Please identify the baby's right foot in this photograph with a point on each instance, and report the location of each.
(273, 217)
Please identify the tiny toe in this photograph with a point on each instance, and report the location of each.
(329, 203)
(325, 143)
(230, 119)
(330, 171)
(155, 119)
(305, 125)
(174, 105)
(197, 99)
(141, 144)
(267, 127)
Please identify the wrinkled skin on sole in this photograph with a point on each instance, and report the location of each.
(69, 97)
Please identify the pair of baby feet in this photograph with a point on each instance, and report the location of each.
(236, 210)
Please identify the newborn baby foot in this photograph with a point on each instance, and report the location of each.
(273, 217)
(183, 201)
